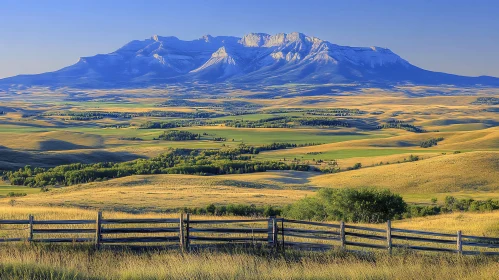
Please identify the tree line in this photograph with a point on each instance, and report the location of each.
(90, 115)
(401, 125)
(317, 111)
(430, 142)
(179, 135)
(287, 122)
(486, 101)
(173, 124)
(233, 106)
(174, 161)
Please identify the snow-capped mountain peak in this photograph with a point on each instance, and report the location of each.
(255, 58)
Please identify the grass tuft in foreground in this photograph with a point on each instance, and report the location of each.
(82, 262)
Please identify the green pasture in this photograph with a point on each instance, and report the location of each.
(425, 198)
(99, 104)
(4, 190)
(247, 117)
(7, 128)
(267, 136)
(257, 117)
(462, 127)
(341, 154)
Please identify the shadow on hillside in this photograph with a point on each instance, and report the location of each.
(59, 145)
(294, 177)
(12, 159)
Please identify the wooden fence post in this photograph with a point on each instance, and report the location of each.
(389, 236)
(181, 231)
(187, 226)
(282, 236)
(459, 242)
(98, 230)
(342, 235)
(275, 231)
(271, 230)
(30, 227)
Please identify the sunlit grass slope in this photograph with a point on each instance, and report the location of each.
(163, 192)
(464, 175)
(466, 172)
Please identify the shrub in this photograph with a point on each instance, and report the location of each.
(357, 165)
(349, 205)
(179, 135)
(421, 211)
(431, 142)
(412, 158)
(453, 204)
(14, 194)
(235, 210)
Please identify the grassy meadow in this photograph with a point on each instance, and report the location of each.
(380, 131)
(5, 190)
(43, 133)
(44, 262)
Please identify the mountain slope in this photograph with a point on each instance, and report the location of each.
(255, 58)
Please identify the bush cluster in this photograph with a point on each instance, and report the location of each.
(349, 205)
(179, 135)
(401, 125)
(235, 210)
(452, 204)
(431, 142)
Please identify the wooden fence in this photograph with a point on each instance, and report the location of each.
(275, 233)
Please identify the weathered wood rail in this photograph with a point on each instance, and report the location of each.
(277, 234)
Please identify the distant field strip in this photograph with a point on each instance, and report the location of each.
(340, 153)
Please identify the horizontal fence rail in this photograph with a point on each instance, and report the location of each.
(277, 234)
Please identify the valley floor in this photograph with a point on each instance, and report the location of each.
(465, 175)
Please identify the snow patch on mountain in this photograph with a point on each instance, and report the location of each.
(254, 58)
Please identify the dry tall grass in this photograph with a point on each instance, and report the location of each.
(68, 262)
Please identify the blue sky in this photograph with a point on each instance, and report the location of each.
(460, 37)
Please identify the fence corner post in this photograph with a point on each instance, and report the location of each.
(342, 235)
(181, 231)
(389, 236)
(282, 237)
(187, 242)
(30, 227)
(271, 230)
(459, 242)
(275, 231)
(98, 230)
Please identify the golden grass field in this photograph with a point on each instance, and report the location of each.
(464, 172)
(164, 192)
(464, 175)
(40, 262)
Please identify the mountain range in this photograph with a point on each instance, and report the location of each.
(256, 58)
